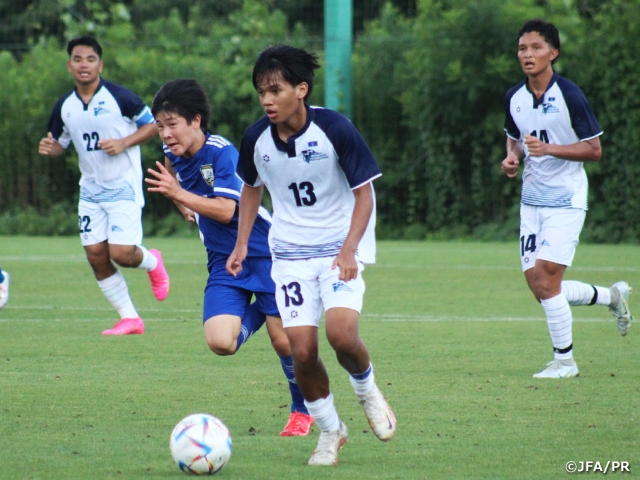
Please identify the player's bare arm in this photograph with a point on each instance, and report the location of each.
(115, 146)
(250, 199)
(49, 147)
(584, 151)
(512, 161)
(362, 210)
(220, 209)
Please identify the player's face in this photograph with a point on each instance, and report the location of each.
(85, 65)
(535, 54)
(282, 102)
(182, 138)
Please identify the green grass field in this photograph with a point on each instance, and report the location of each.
(454, 336)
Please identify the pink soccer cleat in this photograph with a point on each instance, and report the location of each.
(159, 278)
(298, 425)
(127, 326)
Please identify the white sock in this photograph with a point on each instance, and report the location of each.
(324, 413)
(363, 383)
(579, 293)
(149, 262)
(116, 290)
(559, 321)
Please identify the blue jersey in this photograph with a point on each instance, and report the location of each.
(310, 178)
(562, 116)
(212, 173)
(112, 113)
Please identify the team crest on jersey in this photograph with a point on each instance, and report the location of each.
(549, 108)
(100, 110)
(312, 156)
(207, 174)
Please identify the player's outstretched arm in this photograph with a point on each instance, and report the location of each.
(114, 146)
(362, 210)
(250, 199)
(49, 147)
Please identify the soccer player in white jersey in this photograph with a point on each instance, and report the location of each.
(199, 175)
(4, 288)
(106, 124)
(319, 172)
(549, 120)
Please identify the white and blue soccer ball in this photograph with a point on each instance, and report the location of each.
(200, 444)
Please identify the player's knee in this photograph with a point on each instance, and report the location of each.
(124, 256)
(280, 344)
(222, 349)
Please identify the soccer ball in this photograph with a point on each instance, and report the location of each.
(200, 444)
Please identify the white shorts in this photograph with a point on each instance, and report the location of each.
(118, 222)
(550, 234)
(303, 287)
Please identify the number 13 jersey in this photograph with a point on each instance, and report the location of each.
(310, 178)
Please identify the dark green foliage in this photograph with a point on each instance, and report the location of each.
(429, 82)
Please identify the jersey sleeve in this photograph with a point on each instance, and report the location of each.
(509, 124)
(583, 121)
(354, 156)
(247, 170)
(57, 127)
(130, 104)
(226, 182)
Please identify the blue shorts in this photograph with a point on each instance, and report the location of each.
(228, 295)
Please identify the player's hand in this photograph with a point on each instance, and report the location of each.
(163, 182)
(46, 145)
(347, 264)
(510, 165)
(112, 146)
(535, 146)
(234, 262)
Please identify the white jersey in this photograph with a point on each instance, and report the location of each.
(310, 179)
(561, 117)
(112, 113)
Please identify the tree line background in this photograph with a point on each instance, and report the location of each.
(429, 82)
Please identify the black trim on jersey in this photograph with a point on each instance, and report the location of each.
(595, 296)
(563, 350)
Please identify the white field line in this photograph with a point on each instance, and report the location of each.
(424, 266)
(196, 313)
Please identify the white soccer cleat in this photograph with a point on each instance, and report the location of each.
(621, 309)
(326, 453)
(557, 369)
(379, 414)
(4, 290)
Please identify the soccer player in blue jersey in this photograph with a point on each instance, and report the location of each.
(199, 175)
(4, 288)
(319, 172)
(549, 121)
(106, 124)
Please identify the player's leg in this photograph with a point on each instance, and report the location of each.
(125, 245)
(343, 303)
(4, 287)
(229, 319)
(551, 235)
(298, 297)
(300, 421)
(615, 297)
(93, 223)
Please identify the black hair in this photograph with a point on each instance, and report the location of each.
(547, 30)
(184, 97)
(295, 65)
(85, 41)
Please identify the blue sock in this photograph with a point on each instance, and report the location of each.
(251, 322)
(1, 276)
(297, 400)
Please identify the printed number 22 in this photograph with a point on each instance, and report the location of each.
(93, 136)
